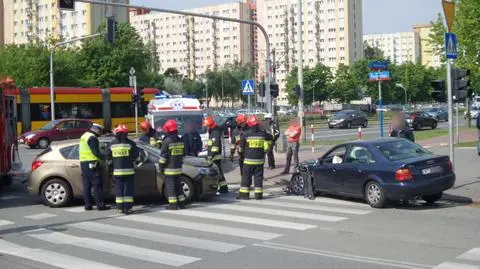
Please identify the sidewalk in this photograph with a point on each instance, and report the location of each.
(442, 141)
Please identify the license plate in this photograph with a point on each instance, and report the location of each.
(432, 170)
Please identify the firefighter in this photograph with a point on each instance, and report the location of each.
(255, 143)
(215, 150)
(170, 163)
(237, 134)
(123, 152)
(149, 134)
(89, 151)
(191, 139)
(272, 128)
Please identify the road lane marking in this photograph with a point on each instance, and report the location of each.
(276, 212)
(50, 258)
(40, 216)
(5, 222)
(203, 227)
(76, 209)
(471, 255)
(454, 265)
(242, 219)
(343, 256)
(119, 249)
(9, 197)
(171, 239)
(324, 200)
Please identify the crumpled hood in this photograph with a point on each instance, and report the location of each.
(196, 161)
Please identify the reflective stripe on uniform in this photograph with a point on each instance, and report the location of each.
(258, 190)
(162, 160)
(254, 161)
(181, 198)
(128, 199)
(217, 157)
(119, 200)
(172, 200)
(86, 153)
(215, 149)
(255, 141)
(210, 142)
(123, 172)
(173, 171)
(120, 150)
(222, 183)
(266, 145)
(244, 189)
(153, 142)
(176, 148)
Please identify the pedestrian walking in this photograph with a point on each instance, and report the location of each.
(255, 144)
(400, 127)
(89, 151)
(237, 134)
(272, 128)
(191, 139)
(215, 137)
(123, 153)
(293, 134)
(170, 163)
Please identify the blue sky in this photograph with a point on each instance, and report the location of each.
(379, 16)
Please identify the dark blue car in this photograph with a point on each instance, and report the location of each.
(379, 171)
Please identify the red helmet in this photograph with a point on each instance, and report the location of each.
(122, 128)
(252, 121)
(170, 126)
(241, 119)
(145, 126)
(209, 122)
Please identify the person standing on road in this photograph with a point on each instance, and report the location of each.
(272, 128)
(123, 152)
(89, 151)
(170, 163)
(293, 136)
(255, 143)
(237, 134)
(215, 150)
(400, 128)
(191, 139)
(478, 128)
(149, 134)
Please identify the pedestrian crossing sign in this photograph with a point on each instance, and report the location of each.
(450, 46)
(248, 87)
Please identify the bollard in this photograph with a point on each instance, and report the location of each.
(313, 138)
(359, 133)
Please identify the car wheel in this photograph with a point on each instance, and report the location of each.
(365, 124)
(188, 189)
(43, 143)
(375, 195)
(432, 198)
(297, 184)
(349, 125)
(56, 193)
(330, 127)
(434, 125)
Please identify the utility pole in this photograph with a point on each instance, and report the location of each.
(274, 79)
(300, 61)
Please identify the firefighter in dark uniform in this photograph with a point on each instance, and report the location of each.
(170, 163)
(123, 152)
(89, 151)
(255, 143)
(149, 134)
(237, 134)
(272, 128)
(215, 150)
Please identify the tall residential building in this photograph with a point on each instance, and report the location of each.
(428, 56)
(332, 34)
(399, 47)
(193, 45)
(2, 24)
(37, 20)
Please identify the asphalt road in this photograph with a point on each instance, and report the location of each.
(279, 232)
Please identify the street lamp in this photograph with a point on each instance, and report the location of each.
(405, 89)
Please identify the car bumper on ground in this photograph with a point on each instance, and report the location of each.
(206, 185)
(411, 190)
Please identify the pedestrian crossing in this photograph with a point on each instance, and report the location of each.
(158, 237)
(469, 260)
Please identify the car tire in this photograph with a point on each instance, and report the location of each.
(434, 125)
(430, 199)
(330, 127)
(188, 189)
(375, 195)
(56, 193)
(365, 124)
(43, 143)
(349, 125)
(297, 184)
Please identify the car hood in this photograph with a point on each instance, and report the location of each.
(32, 132)
(196, 162)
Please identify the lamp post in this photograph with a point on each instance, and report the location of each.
(405, 89)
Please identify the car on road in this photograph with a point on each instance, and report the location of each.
(56, 175)
(378, 171)
(348, 119)
(419, 120)
(440, 114)
(57, 130)
(474, 112)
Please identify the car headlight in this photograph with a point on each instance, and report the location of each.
(30, 136)
(341, 120)
(206, 171)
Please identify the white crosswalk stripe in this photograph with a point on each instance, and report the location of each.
(5, 222)
(471, 255)
(40, 216)
(454, 265)
(324, 200)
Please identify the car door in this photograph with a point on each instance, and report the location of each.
(81, 126)
(65, 130)
(58, 132)
(72, 166)
(326, 171)
(355, 169)
(146, 176)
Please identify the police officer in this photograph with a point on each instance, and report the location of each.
(149, 134)
(255, 144)
(191, 139)
(170, 163)
(215, 150)
(123, 152)
(89, 151)
(272, 128)
(237, 134)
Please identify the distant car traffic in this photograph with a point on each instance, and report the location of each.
(55, 131)
(56, 176)
(440, 114)
(474, 112)
(419, 119)
(379, 171)
(347, 119)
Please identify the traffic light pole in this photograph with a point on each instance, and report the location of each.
(136, 105)
(450, 112)
(380, 106)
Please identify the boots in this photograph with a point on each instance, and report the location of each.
(223, 189)
(243, 196)
(258, 196)
(172, 206)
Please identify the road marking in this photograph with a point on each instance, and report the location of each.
(158, 237)
(77, 209)
(124, 250)
(5, 222)
(9, 197)
(343, 256)
(453, 265)
(324, 200)
(202, 227)
(471, 255)
(276, 212)
(311, 207)
(40, 216)
(242, 219)
(50, 258)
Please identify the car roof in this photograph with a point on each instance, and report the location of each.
(372, 142)
(72, 142)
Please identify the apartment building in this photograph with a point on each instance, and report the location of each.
(428, 56)
(399, 47)
(332, 34)
(193, 45)
(37, 20)
(2, 24)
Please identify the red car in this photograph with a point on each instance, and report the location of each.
(54, 131)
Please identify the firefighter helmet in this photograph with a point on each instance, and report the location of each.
(209, 122)
(252, 121)
(122, 128)
(241, 119)
(145, 126)
(170, 126)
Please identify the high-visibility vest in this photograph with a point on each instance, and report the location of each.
(86, 154)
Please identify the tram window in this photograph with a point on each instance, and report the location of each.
(126, 110)
(63, 111)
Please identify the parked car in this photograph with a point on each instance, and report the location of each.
(55, 131)
(56, 175)
(419, 119)
(347, 119)
(440, 114)
(378, 171)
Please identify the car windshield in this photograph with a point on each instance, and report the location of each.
(184, 122)
(342, 114)
(401, 150)
(49, 126)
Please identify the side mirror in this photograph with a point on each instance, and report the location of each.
(319, 161)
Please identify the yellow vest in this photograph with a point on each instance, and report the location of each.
(86, 153)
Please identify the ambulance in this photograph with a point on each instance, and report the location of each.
(186, 111)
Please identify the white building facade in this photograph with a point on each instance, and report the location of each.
(398, 47)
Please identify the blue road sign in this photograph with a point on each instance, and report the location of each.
(248, 87)
(378, 65)
(451, 45)
(381, 75)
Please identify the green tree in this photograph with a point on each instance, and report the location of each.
(316, 83)
(370, 52)
(437, 37)
(345, 87)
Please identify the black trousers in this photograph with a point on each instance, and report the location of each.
(271, 157)
(249, 171)
(173, 189)
(124, 187)
(222, 182)
(292, 149)
(91, 180)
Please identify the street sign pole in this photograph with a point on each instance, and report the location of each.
(134, 80)
(248, 103)
(380, 106)
(456, 124)
(450, 112)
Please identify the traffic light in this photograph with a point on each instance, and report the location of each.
(274, 90)
(66, 5)
(460, 83)
(134, 98)
(111, 28)
(261, 89)
(439, 94)
(140, 98)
